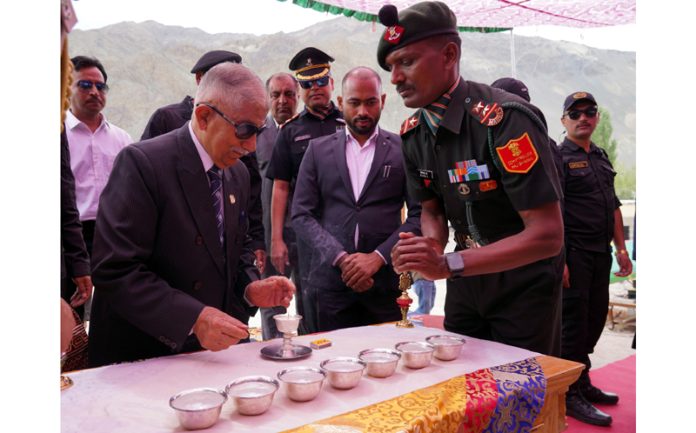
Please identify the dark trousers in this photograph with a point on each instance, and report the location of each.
(306, 298)
(67, 286)
(520, 307)
(585, 304)
(338, 309)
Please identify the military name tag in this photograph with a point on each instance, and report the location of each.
(425, 174)
(303, 137)
(577, 164)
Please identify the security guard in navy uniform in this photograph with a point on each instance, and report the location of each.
(320, 117)
(592, 218)
(478, 157)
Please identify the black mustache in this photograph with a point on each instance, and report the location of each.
(402, 87)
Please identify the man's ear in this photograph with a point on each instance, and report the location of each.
(339, 102)
(451, 53)
(202, 114)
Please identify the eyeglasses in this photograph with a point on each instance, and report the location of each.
(321, 82)
(588, 112)
(86, 85)
(242, 130)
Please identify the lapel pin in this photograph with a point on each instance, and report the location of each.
(233, 200)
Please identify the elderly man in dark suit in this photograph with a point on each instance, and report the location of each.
(172, 265)
(348, 200)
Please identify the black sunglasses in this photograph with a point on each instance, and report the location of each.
(242, 130)
(588, 112)
(86, 85)
(321, 82)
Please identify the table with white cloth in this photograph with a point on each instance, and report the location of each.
(134, 397)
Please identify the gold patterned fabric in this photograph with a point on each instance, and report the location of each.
(506, 398)
(438, 408)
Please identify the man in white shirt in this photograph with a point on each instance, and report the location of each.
(94, 142)
(351, 189)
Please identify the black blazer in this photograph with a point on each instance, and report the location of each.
(325, 212)
(157, 260)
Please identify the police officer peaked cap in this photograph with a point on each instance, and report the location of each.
(311, 63)
(514, 86)
(576, 97)
(212, 58)
(413, 24)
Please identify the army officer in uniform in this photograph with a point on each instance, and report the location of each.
(479, 158)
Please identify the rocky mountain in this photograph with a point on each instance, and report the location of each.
(148, 66)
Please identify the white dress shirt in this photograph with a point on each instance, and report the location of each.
(92, 157)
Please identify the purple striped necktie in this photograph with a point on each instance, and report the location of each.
(215, 176)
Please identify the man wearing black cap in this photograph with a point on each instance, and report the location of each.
(478, 157)
(592, 218)
(320, 117)
(174, 116)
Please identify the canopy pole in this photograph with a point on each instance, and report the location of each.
(513, 69)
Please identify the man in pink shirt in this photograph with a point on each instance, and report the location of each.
(94, 142)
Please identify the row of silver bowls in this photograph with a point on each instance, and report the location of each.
(253, 395)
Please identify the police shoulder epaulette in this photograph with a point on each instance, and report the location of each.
(487, 113)
(289, 120)
(409, 124)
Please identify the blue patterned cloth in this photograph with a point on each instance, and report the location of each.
(521, 390)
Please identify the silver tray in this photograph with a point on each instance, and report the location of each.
(275, 351)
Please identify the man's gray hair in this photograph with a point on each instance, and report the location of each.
(233, 85)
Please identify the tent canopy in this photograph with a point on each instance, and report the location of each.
(498, 15)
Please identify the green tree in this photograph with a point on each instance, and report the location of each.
(602, 135)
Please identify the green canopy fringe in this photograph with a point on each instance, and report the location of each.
(364, 16)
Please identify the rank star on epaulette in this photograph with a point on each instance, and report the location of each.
(488, 114)
(409, 124)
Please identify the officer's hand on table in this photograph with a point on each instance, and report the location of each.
(83, 291)
(271, 292)
(260, 260)
(625, 265)
(279, 255)
(217, 331)
(357, 268)
(419, 254)
(566, 276)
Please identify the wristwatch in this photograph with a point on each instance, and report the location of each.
(455, 264)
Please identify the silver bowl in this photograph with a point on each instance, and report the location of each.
(343, 372)
(416, 354)
(380, 362)
(447, 347)
(252, 395)
(302, 383)
(198, 408)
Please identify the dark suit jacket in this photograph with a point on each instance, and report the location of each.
(325, 212)
(157, 259)
(74, 257)
(173, 116)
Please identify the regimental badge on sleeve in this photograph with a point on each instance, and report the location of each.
(519, 155)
